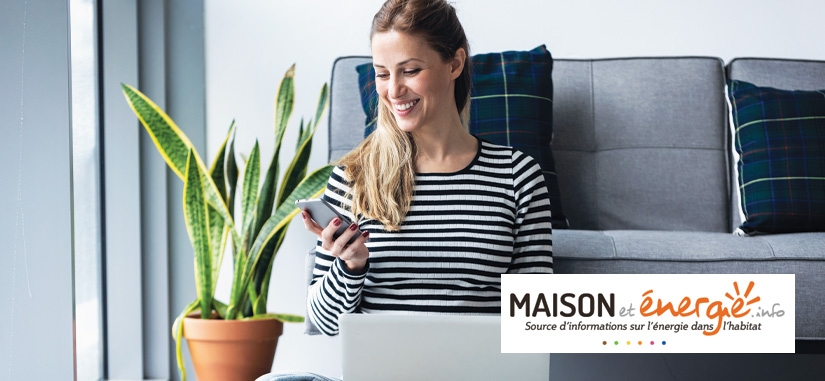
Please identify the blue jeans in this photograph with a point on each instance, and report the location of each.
(301, 376)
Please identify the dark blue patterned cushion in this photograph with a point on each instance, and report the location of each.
(780, 137)
(511, 104)
(369, 97)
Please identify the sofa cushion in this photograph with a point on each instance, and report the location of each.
(795, 74)
(665, 252)
(642, 143)
(369, 97)
(511, 105)
(780, 139)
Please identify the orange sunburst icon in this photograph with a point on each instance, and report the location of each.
(739, 302)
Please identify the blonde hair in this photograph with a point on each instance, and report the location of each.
(381, 170)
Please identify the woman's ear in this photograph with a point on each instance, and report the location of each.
(457, 63)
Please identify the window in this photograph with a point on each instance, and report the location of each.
(86, 180)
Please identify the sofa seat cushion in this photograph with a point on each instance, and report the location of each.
(665, 252)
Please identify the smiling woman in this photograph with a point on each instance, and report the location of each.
(439, 214)
(423, 78)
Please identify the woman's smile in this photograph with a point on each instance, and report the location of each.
(404, 107)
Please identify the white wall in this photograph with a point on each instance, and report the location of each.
(251, 43)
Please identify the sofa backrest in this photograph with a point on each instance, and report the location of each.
(779, 73)
(346, 116)
(641, 143)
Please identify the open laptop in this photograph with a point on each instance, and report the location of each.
(427, 347)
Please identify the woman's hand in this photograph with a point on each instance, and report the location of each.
(354, 255)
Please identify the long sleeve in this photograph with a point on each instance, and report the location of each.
(533, 246)
(333, 290)
(334, 293)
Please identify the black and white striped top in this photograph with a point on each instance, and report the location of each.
(463, 230)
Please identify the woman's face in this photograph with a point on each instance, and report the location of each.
(414, 81)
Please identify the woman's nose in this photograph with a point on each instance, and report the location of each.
(396, 87)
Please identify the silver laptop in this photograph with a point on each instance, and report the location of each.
(419, 347)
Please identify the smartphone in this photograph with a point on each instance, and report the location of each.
(323, 213)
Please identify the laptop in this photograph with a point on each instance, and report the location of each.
(432, 347)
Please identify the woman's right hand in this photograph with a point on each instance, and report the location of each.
(354, 255)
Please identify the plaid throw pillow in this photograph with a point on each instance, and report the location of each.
(780, 137)
(369, 97)
(511, 104)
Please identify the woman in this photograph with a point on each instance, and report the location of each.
(441, 214)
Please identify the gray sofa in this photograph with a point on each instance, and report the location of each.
(644, 160)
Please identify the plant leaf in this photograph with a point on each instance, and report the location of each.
(197, 225)
(296, 171)
(249, 197)
(284, 104)
(218, 169)
(298, 167)
(267, 198)
(177, 334)
(306, 135)
(173, 146)
(253, 296)
(220, 308)
(218, 229)
(263, 271)
(218, 232)
(312, 186)
(232, 176)
(171, 142)
(322, 104)
(286, 318)
(238, 291)
(301, 132)
(292, 177)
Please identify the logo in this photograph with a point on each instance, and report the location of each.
(684, 313)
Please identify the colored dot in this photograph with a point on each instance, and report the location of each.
(664, 343)
(628, 342)
(604, 343)
(651, 343)
(640, 343)
(616, 343)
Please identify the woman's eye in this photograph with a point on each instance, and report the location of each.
(412, 72)
(381, 75)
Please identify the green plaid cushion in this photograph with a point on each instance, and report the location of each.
(511, 105)
(780, 137)
(369, 97)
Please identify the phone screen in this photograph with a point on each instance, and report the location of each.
(323, 213)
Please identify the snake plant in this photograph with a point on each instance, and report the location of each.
(258, 231)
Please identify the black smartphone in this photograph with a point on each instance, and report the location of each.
(323, 213)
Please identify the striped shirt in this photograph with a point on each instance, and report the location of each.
(463, 230)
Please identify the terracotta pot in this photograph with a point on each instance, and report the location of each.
(229, 350)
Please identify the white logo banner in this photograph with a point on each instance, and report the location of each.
(647, 313)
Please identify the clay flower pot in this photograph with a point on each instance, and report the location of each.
(229, 350)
